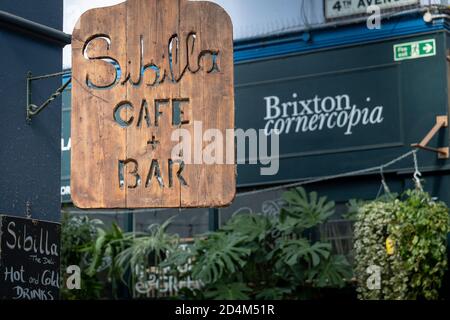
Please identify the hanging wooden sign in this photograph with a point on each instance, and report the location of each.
(153, 106)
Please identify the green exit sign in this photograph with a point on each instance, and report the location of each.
(414, 50)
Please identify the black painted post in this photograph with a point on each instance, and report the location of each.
(129, 222)
(213, 219)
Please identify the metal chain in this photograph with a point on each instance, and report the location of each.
(417, 174)
(383, 182)
(336, 176)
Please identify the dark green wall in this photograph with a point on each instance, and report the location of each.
(412, 92)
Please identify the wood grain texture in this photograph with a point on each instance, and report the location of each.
(168, 53)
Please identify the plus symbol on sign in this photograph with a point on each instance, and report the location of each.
(153, 142)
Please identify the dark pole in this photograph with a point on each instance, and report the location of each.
(213, 219)
(129, 223)
(21, 24)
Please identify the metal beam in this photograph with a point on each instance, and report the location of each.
(14, 22)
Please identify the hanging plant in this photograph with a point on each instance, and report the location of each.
(419, 232)
(373, 265)
(400, 247)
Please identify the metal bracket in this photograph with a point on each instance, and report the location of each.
(443, 153)
(33, 109)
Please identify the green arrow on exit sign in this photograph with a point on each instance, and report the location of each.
(414, 50)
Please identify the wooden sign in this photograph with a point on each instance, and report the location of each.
(29, 259)
(152, 83)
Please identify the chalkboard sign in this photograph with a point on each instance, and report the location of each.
(29, 259)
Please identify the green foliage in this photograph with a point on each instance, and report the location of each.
(78, 233)
(417, 227)
(252, 227)
(219, 254)
(332, 271)
(143, 251)
(104, 251)
(293, 252)
(228, 291)
(105, 248)
(353, 206)
(369, 247)
(420, 231)
(251, 257)
(308, 209)
(257, 257)
(273, 293)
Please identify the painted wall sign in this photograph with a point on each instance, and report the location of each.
(143, 69)
(29, 259)
(327, 113)
(341, 110)
(415, 50)
(345, 8)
